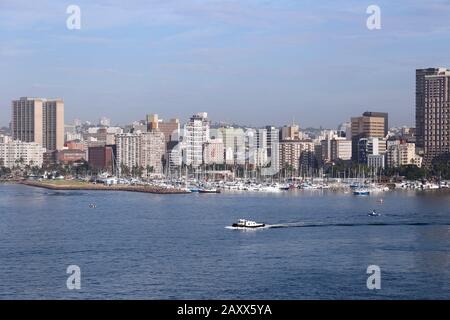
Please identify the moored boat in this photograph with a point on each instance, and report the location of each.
(361, 192)
(209, 190)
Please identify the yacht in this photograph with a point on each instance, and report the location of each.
(242, 223)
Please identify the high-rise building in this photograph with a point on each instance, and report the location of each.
(326, 144)
(369, 125)
(140, 150)
(196, 133)
(421, 98)
(370, 146)
(292, 152)
(39, 120)
(341, 148)
(433, 113)
(273, 138)
(128, 151)
(153, 150)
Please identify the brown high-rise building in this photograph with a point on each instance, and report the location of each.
(433, 113)
(420, 102)
(369, 125)
(39, 120)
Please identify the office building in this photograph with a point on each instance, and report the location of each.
(369, 125)
(39, 120)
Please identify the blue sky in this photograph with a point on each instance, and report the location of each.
(246, 61)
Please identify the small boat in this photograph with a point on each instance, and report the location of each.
(243, 223)
(361, 192)
(374, 214)
(92, 205)
(210, 190)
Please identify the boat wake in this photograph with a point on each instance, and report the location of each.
(327, 225)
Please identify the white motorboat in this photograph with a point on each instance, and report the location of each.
(243, 223)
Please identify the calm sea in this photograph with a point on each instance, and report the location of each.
(144, 246)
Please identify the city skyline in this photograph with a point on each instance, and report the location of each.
(254, 63)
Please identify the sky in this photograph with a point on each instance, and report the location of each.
(253, 62)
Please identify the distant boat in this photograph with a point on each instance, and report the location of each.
(248, 224)
(361, 192)
(373, 214)
(209, 190)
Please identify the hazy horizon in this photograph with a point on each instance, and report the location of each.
(252, 62)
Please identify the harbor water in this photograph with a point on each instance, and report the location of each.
(318, 245)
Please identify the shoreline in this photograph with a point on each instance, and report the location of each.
(99, 187)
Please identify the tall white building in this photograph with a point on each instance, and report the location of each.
(196, 133)
(14, 153)
(273, 139)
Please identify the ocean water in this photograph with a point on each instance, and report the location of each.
(144, 246)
